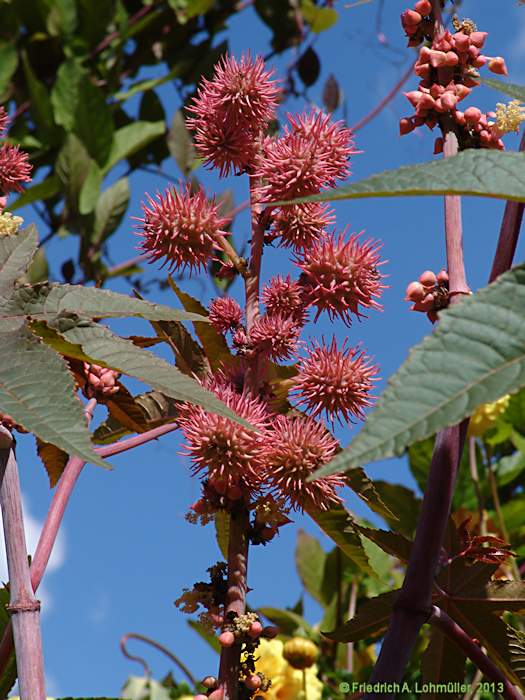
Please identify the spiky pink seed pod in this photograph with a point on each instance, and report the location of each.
(428, 278)
(253, 682)
(338, 276)
(498, 66)
(227, 639)
(298, 226)
(335, 381)
(225, 148)
(415, 292)
(15, 169)
(4, 119)
(101, 382)
(182, 227)
(275, 336)
(284, 296)
(296, 448)
(225, 314)
(241, 93)
(229, 453)
(313, 153)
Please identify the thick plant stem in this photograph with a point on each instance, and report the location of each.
(235, 599)
(23, 606)
(453, 631)
(509, 233)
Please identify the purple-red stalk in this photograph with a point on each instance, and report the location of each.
(457, 634)
(23, 606)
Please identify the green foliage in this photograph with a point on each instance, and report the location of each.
(517, 92)
(479, 343)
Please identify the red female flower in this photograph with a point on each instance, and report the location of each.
(15, 168)
(225, 314)
(295, 449)
(229, 453)
(312, 154)
(339, 276)
(275, 335)
(230, 111)
(182, 227)
(298, 226)
(336, 381)
(284, 296)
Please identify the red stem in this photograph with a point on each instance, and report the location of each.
(509, 233)
(446, 624)
(23, 606)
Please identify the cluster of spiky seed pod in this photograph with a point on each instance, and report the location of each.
(429, 293)
(448, 70)
(15, 169)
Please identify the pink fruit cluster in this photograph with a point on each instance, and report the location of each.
(15, 168)
(101, 382)
(429, 293)
(448, 69)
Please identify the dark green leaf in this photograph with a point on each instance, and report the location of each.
(477, 350)
(370, 622)
(131, 138)
(288, 622)
(510, 89)
(482, 173)
(180, 144)
(36, 193)
(110, 209)
(90, 189)
(310, 560)
(8, 64)
(16, 253)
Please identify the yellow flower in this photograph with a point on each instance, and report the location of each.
(9, 224)
(486, 415)
(287, 683)
(509, 116)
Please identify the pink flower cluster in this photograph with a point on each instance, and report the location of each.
(429, 293)
(449, 70)
(101, 382)
(15, 168)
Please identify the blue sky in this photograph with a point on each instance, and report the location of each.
(126, 551)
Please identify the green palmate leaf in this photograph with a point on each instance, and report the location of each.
(480, 173)
(339, 525)
(478, 353)
(110, 209)
(310, 561)
(98, 343)
(80, 106)
(72, 168)
(54, 460)
(443, 662)
(8, 64)
(516, 641)
(40, 102)
(222, 531)
(390, 542)
(289, 622)
(509, 468)
(370, 622)
(131, 138)
(42, 190)
(404, 503)
(364, 487)
(16, 252)
(37, 390)
(494, 596)
(214, 343)
(515, 91)
(90, 191)
(208, 636)
(45, 302)
(180, 144)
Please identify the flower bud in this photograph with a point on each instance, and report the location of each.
(406, 125)
(472, 115)
(442, 277)
(410, 18)
(461, 41)
(300, 653)
(478, 38)
(253, 682)
(255, 630)
(216, 694)
(227, 639)
(428, 278)
(424, 7)
(415, 292)
(209, 682)
(498, 66)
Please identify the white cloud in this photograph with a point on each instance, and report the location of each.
(32, 530)
(100, 611)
